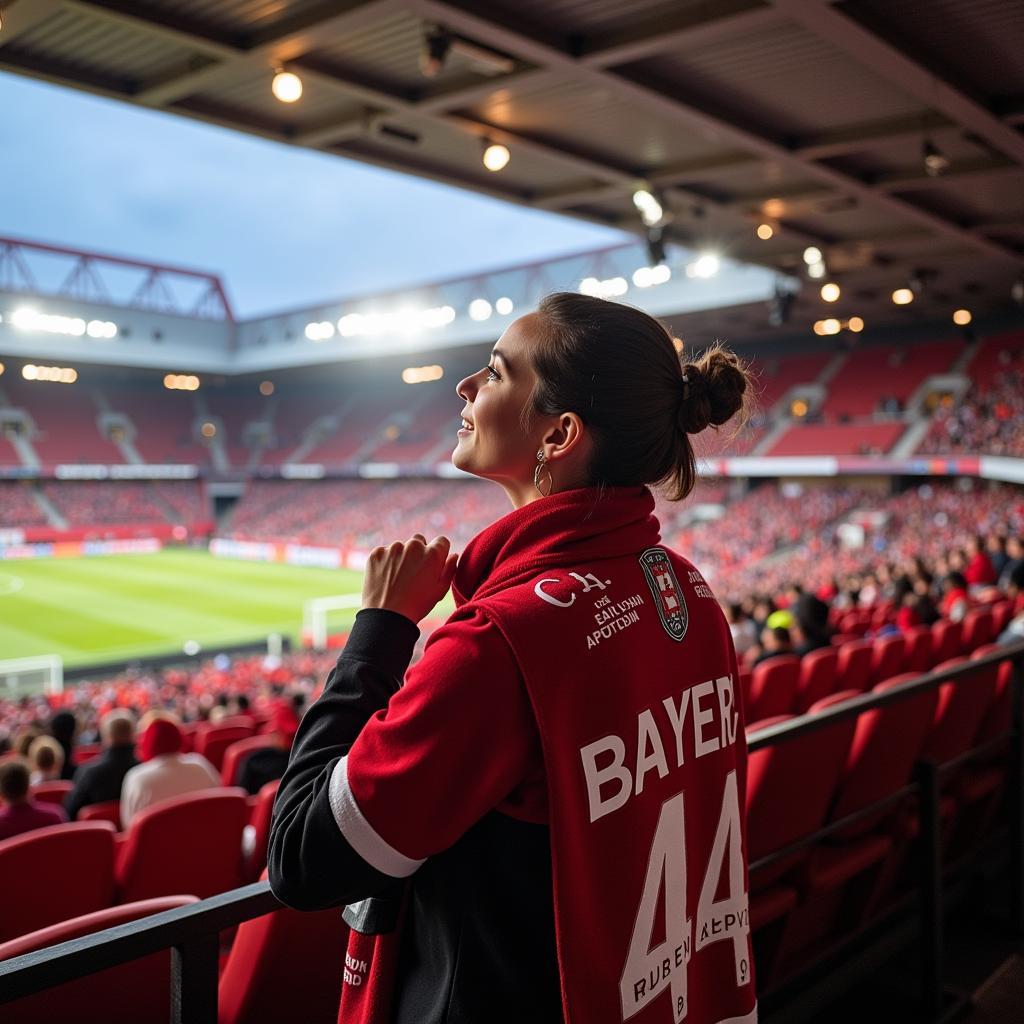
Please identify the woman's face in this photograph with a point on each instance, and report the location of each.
(493, 442)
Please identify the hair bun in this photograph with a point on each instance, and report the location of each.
(713, 390)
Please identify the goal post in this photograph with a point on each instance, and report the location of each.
(23, 677)
(315, 615)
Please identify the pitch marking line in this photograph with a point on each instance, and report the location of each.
(10, 584)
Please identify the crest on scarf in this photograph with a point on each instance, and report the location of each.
(668, 596)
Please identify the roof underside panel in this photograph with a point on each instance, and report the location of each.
(977, 44)
(762, 79)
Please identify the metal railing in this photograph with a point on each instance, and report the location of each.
(191, 932)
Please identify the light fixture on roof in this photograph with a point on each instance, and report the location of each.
(479, 309)
(903, 296)
(286, 86)
(437, 44)
(817, 270)
(855, 324)
(962, 317)
(504, 306)
(765, 231)
(266, 388)
(496, 156)
(706, 265)
(830, 291)
(935, 161)
(649, 206)
(812, 255)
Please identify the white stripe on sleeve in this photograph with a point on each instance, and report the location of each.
(360, 834)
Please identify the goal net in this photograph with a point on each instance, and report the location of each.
(323, 616)
(26, 677)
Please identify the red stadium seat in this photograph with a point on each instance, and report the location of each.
(54, 873)
(775, 774)
(86, 752)
(857, 622)
(773, 687)
(260, 821)
(138, 992)
(946, 637)
(854, 666)
(188, 732)
(1002, 612)
(978, 629)
(818, 674)
(259, 982)
(998, 719)
(52, 792)
(917, 656)
(887, 656)
(235, 755)
(189, 843)
(212, 740)
(109, 810)
(962, 706)
(841, 639)
(885, 746)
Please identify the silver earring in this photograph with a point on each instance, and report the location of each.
(542, 468)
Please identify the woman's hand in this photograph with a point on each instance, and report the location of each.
(409, 578)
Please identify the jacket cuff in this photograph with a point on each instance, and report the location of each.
(383, 638)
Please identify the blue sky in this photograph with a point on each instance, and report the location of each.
(283, 226)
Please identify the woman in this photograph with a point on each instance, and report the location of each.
(583, 692)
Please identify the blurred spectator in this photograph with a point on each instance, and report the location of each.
(46, 759)
(268, 763)
(979, 572)
(811, 624)
(1015, 627)
(741, 625)
(20, 813)
(165, 772)
(63, 727)
(1014, 557)
(100, 780)
(775, 641)
(24, 738)
(955, 600)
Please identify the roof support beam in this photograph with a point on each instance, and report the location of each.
(666, 99)
(883, 58)
(22, 16)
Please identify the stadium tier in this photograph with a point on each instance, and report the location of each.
(943, 397)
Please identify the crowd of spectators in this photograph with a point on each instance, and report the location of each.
(19, 507)
(89, 502)
(986, 420)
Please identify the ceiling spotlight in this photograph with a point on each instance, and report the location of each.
(436, 45)
(902, 296)
(935, 161)
(855, 324)
(831, 326)
(651, 210)
(655, 247)
(286, 87)
(830, 292)
(962, 317)
(773, 208)
(817, 270)
(503, 306)
(812, 255)
(705, 266)
(496, 156)
(765, 231)
(479, 309)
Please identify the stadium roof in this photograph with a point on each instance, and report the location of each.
(809, 116)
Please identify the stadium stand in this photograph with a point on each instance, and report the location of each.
(19, 507)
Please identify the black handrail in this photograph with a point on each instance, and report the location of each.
(191, 931)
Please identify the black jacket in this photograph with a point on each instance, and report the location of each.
(100, 780)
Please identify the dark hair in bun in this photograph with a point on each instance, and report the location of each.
(618, 369)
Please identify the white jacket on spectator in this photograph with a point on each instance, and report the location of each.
(163, 777)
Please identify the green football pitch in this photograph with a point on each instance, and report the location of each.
(119, 607)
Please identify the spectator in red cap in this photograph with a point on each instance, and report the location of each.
(268, 763)
(165, 772)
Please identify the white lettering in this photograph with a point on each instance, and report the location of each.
(597, 777)
(702, 718)
(649, 751)
(725, 705)
(539, 591)
(677, 718)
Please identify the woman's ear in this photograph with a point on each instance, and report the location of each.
(568, 436)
